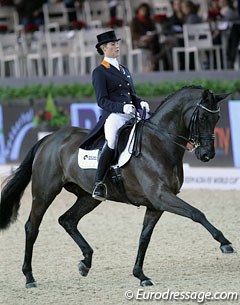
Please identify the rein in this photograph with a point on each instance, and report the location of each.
(137, 147)
(195, 136)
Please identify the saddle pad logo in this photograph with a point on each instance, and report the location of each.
(88, 159)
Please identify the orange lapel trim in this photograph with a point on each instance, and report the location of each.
(105, 64)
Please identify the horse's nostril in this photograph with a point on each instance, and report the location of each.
(205, 158)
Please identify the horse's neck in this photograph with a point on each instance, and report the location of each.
(170, 118)
(166, 136)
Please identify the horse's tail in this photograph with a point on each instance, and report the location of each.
(13, 190)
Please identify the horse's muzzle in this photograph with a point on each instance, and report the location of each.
(204, 154)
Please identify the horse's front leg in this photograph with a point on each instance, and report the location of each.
(150, 219)
(173, 204)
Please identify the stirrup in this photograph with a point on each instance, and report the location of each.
(100, 191)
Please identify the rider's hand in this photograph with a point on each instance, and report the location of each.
(129, 108)
(145, 105)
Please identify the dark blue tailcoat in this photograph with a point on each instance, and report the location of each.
(113, 90)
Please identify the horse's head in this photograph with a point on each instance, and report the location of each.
(202, 124)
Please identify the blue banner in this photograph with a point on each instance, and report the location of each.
(234, 116)
(84, 115)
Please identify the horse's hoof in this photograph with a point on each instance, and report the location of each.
(146, 283)
(31, 285)
(226, 249)
(83, 269)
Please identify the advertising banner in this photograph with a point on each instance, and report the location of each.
(84, 115)
(214, 178)
(234, 115)
(17, 132)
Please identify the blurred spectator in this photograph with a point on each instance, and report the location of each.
(6, 2)
(232, 45)
(214, 13)
(113, 7)
(173, 24)
(190, 12)
(230, 13)
(172, 30)
(30, 14)
(227, 10)
(114, 19)
(175, 21)
(54, 1)
(70, 5)
(144, 35)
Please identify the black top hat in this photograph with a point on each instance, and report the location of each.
(106, 37)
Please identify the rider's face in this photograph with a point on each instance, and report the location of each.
(111, 49)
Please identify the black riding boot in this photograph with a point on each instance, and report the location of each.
(100, 189)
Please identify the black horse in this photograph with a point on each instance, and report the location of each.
(152, 179)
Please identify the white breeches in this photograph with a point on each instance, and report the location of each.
(113, 123)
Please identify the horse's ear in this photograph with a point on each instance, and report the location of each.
(205, 94)
(221, 97)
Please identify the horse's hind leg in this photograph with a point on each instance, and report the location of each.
(150, 220)
(39, 207)
(69, 220)
(173, 204)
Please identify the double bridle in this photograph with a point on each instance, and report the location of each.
(194, 139)
(195, 136)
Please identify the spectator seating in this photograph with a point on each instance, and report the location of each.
(60, 49)
(58, 45)
(89, 19)
(55, 15)
(82, 58)
(35, 54)
(10, 55)
(9, 21)
(99, 11)
(197, 40)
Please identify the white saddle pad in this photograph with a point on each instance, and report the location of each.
(88, 159)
